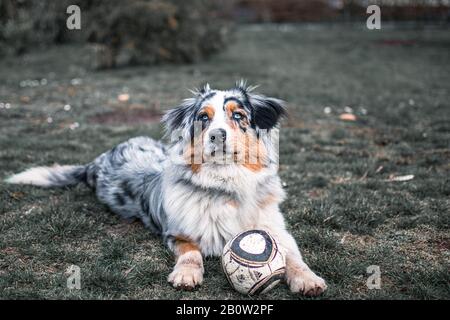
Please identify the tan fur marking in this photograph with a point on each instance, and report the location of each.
(191, 158)
(209, 110)
(253, 167)
(183, 245)
(232, 107)
(244, 140)
(268, 200)
(195, 167)
(254, 151)
(233, 203)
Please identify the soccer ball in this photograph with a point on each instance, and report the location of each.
(253, 262)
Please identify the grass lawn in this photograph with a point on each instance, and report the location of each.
(344, 208)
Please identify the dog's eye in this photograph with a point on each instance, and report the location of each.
(237, 116)
(204, 117)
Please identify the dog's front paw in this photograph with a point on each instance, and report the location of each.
(186, 276)
(306, 282)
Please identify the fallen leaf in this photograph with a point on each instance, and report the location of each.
(71, 91)
(16, 195)
(29, 210)
(25, 99)
(124, 97)
(128, 271)
(347, 117)
(401, 178)
(173, 23)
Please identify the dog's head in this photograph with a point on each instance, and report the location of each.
(224, 126)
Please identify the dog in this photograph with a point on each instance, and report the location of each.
(217, 177)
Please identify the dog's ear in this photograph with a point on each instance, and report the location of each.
(267, 111)
(180, 116)
(177, 118)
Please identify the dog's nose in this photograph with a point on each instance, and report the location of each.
(217, 135)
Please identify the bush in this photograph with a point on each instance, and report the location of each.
(123, 32)
(27, 24)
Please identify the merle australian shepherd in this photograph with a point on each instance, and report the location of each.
(217, 177)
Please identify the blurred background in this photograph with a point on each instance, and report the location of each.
(154, 31)
(364, 153)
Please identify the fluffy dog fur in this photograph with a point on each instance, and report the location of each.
(201, 189)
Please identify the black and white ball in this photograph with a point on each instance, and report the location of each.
(253, 262)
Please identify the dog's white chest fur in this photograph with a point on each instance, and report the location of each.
(218, 223)
(212, 206)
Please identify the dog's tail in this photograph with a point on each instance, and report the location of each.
(55, 176)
